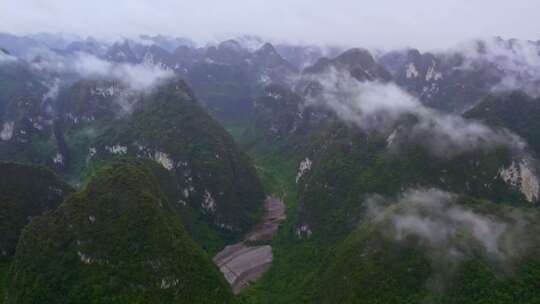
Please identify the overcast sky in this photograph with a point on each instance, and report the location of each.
(378, 23)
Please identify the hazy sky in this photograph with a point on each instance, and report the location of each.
(376, 23)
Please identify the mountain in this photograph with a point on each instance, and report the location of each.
(89, 45)
(303, 56)
(344, 164)
(93, 120)
(455, 80)
(168, 43)
(388, 165)
(26, 192)
(432, 247)
(118, 240)
(358, 62)
(18, 45)
(121, 52)
(228, 77)
(26, 124)
(282, 118)
(271, 66)
(515, 111)
(442, 81)
(210, 176)
(284, 112)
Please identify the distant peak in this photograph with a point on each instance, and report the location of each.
(356, 56)
(267, 48)
(230, 44)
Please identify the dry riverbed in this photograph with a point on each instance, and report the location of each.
(242, 263)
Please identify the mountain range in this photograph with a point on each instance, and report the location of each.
(407, 176)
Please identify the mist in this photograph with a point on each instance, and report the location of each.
(449, 233)
(137, 76)
(383, 24)
(4, 58)
(518, 59)
(383, 107)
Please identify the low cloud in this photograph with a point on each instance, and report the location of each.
(136, 76)
(53, 88)
(57, 71)
(433, 216)
(384, 108)
(4, 58)
(518, 62)
(448, 233)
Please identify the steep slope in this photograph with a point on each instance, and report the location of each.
(454, 80)
(446, 82)
(358, 62)
(302, 56)
(121, 52)
(26, 132)
(84, 110)
(345, 164)
(229, 76)
(203, 168)
(515, 111)
(26, 191)
(430, 248)
(116, 241)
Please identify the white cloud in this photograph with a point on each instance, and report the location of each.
(137, 76)
(381, 107)
(5, 58)
(518, 59)
(442, 225)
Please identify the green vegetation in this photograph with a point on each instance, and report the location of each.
(26, 191)
(379, 263)
(4, 268)
(119, 240)
(348, 166)
(290, 276)
(201, 163)
(515, 111)
(79, 141)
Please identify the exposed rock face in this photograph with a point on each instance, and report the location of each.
(521, 175)
(269, 225)
(440, 80)
(242, 263)
(303, 231)
(7, 131)
(411, 72)
(304, 167)
(164, 160)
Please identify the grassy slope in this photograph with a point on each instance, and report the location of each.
(409, 271)
(116, 241)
